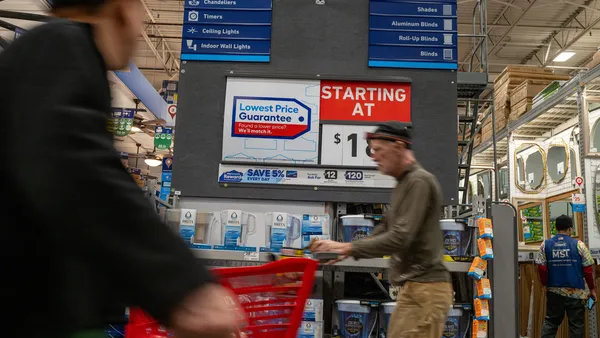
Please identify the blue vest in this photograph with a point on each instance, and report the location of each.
(564, 263)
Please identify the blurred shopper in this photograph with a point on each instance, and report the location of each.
(78, 238)
(563, 264)
(410, 234)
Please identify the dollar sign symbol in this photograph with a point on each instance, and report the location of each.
(337, 138)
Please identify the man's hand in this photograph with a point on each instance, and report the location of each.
(211, 311)
(332, 246)
(593, 294)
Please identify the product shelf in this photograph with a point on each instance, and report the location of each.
(216, 258)
(543, 118)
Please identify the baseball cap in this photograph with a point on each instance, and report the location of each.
(393, 131)
(69, 3)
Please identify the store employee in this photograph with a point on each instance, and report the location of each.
(563, 264)
(411, 235)
(78, 240)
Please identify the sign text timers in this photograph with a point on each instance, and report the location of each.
(413, 34)
(227, 30)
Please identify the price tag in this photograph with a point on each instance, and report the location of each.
(346, 145)
(251, 256)
(578, 201)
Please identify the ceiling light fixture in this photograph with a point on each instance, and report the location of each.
(564, 56)
(153, 162)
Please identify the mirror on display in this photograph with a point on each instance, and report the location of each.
(531, 221)
(573, 148)
(484, 185)
(597, 195)
(562, 207)
(558, 160)
(592, 138)
(531, 177)
(504, 182)
(573, 164)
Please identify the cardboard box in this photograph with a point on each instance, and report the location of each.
(521, 108)
(527, 90)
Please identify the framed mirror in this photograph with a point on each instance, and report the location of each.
(597, 195)
(531, 177)
(558, 160)
(484, 184)
(504, 183)
(530, 221)
(562, 205)
(591, 126)
(573, 164)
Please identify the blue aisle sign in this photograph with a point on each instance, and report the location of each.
(413, 34)
(227, 30)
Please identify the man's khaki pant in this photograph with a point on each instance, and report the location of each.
(421, 310)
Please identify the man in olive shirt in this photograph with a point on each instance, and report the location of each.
(411, 235)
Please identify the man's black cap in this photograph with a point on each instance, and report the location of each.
(393, 131)
(72, 3)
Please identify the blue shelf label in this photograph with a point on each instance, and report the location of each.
(412, 38)
(228, 4)
(418, 54)
(412, 23)
(202, 16)
(225, 47)
(227, 32)
(423, 9)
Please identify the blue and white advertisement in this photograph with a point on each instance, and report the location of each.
(286, 175)
(271, 121)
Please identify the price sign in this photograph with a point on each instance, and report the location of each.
(578, 201)
(251, 256)
(345, 145)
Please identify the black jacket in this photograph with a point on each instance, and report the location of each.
(77, 237)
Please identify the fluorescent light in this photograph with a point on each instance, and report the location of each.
(564, 56)
(135, 130)
(152, 162)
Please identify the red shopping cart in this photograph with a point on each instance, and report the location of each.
(272, 296)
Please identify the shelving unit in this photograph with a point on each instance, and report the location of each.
(240, 258)
(557, 113)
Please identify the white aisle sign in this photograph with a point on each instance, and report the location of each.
(346, 145)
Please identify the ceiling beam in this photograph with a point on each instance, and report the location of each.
(489, 30)
(574, 40)
(501, 26)
(552, 35)
(167, 58)
(512, 26)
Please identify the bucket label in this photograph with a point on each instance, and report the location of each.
(451, 328)
(354, 325)
(452, 242)
(360, 233)
(233, 227)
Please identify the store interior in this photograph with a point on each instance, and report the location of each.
(525, 88)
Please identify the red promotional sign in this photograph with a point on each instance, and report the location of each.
(364, 101)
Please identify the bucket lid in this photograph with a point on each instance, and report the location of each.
(353, 216)
(348, 301)
(451, 224)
